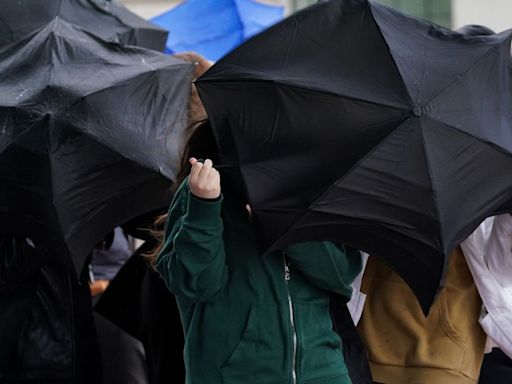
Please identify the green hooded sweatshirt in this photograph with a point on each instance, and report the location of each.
(251, 319)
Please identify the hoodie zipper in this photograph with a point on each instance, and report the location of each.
(287, 278)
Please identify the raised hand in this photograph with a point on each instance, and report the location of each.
(204, 180)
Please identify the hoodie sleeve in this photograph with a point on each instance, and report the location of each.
(329, 266)
(192, 260)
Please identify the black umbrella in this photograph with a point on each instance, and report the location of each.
(351, 121)
(88, 130)
(108, 19)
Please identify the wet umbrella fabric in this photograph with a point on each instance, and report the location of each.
(353, 122)
(88, 130)
(108, 19)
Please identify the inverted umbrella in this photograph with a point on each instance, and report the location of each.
(215, 27)
(353, 122)
(108, 19)
(88, 130)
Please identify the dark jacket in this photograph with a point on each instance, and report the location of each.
(46, 326)
(248, 318)
(138, 302)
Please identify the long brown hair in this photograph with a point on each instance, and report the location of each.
(201, 145)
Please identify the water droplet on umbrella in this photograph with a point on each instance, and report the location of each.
(21, 94)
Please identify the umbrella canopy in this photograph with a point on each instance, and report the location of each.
(88, 130)
(353, 122)
(108, 19)
(214, 27)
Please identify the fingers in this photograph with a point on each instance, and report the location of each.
(205, 169)
(195, 169)
(199, 171)
(204, 180)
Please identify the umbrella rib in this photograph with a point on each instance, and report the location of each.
(402, 83)
(59, 9)
(434, 189)
(463, 74)
(236, 152)
(466, 134)
(481, 139)
(356, 165)
(292, 38)
(8, 28)
(311, 205)
(307, 88)
(105, 12)
(90, 217)
(334, 58)
(56, 212)
(119, 84)
(241, 174)
(296, 226)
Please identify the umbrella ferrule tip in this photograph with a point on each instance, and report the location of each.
(417, 111)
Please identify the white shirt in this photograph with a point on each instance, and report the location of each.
(356, 303)
(488, 252)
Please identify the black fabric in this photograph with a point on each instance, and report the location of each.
(496, 368)
(46, 324)
(123, 358)
(91, 133)
(13, 308)
(87, 351)
(354, 351)
(138, 302)
(475, 30)
(19, 261)
(350, 121)
(108, 19)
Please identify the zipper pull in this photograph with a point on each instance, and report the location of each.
(286, 268)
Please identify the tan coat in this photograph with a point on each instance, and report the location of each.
(404, 347)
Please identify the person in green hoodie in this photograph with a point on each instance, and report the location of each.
(248, 318)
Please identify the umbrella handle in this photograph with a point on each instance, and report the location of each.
(220, 166)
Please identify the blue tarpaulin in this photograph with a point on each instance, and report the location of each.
(212, 28)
